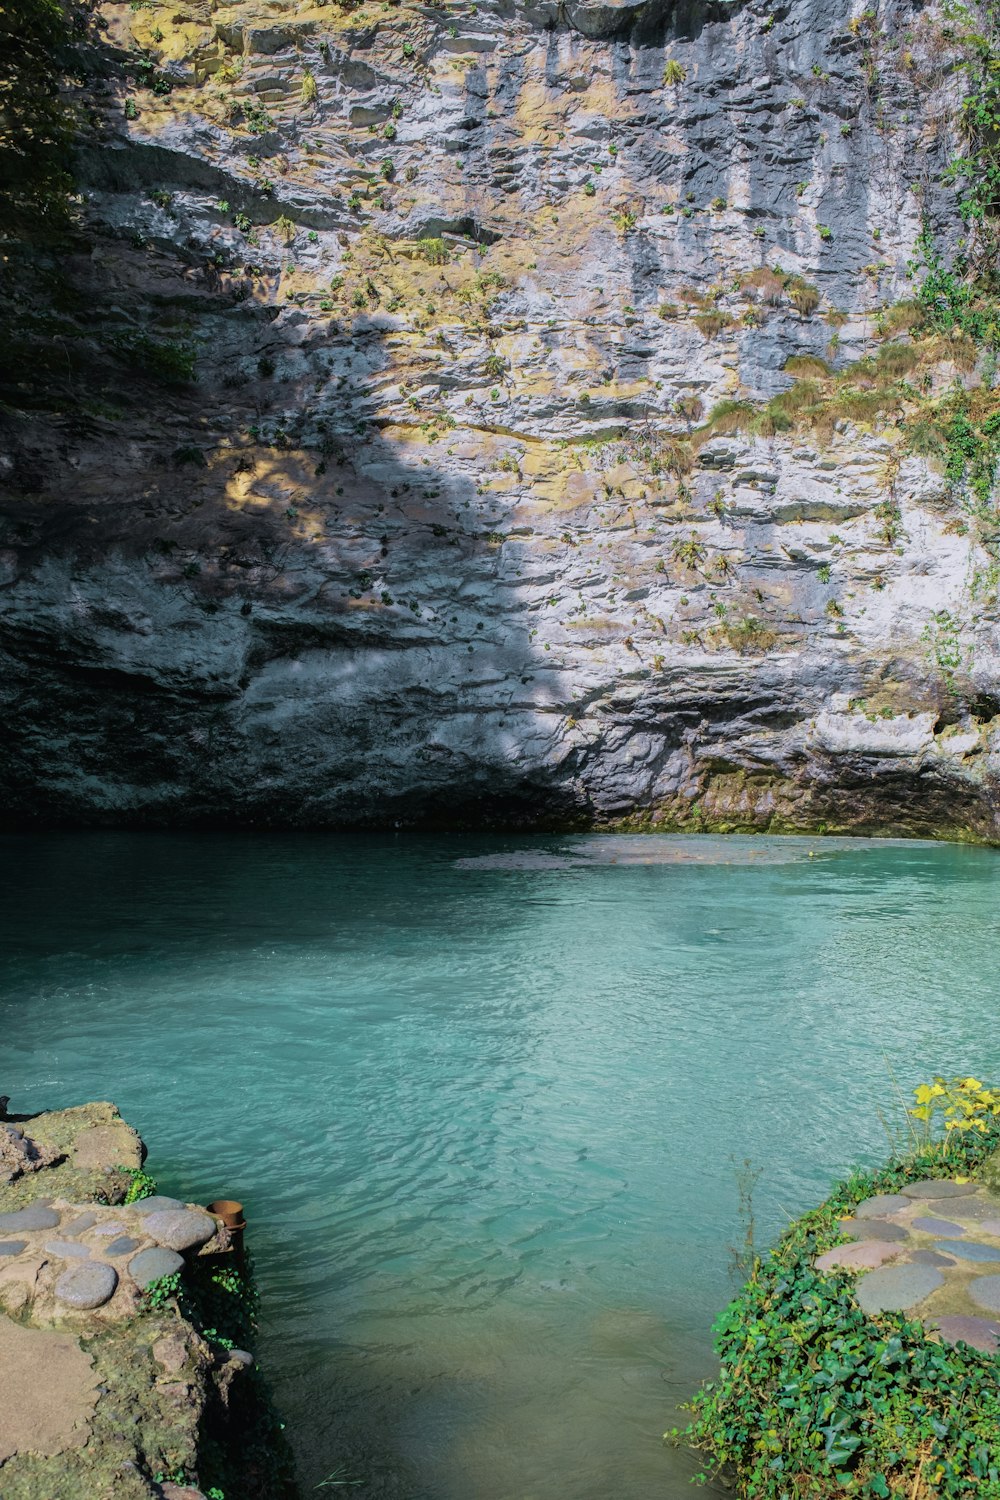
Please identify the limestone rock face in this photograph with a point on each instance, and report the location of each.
(372, 480)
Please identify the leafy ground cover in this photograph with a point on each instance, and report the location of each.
(814, 1397)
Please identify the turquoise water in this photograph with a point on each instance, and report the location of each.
(485, 1101)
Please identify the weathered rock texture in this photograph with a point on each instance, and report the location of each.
(414, 542)
(108, 1392)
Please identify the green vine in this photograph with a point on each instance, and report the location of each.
(141, 1185)
(976, 169)
(816, 1399)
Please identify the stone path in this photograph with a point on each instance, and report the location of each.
(60, 1256)
(72, 1271)
(43, 1416)
(909, 1257)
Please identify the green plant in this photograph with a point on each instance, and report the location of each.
(815, 1399)
(434, 250)
(141, 1185)
(389, 131)
(674, 73)
(255, 117)
(688, 551)
(162, 1292)
(625, 219)
(962, 1104)
(749, 636)
(308, 92)
(37, 121)
(166, 360)
(824, 231)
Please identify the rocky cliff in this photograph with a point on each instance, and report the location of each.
(523, 411)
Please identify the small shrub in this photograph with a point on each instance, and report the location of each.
(807, 365)
(674, 73)
(434, 250)
(711, 324)
(803, 297)
(749, 636)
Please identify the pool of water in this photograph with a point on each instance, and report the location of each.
(487, 1101)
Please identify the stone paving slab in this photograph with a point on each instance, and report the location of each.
(979, 1333)
(941, 1269)
(880, 1205)
(865, 1255)
(49, 1390)
(985, 1293)
(898, 1288)
(873, 1229)
(969, 1250)
(938, 1188)
(935, 1226)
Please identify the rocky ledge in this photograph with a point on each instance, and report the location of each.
(420, 463)
(112, 1386)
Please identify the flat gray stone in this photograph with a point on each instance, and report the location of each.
(863, 1256)
(971, 1208)
(150, 1265)
(873, 1229)
(13, 1247)
(87, 1286)
(882, 1203)
(67, 1249)
(85, 1221)
(976, 1332)
(123, 1245)
(937, 1226)
(154, 1205)
(939, 1188)
(115, 1227)
(968, 1249)
(985, 1292)
(35, 1217)
(990, 1226)
(180, 1228)
(897, 1288)
(930, 1258)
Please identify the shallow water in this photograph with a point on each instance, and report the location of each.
(485, 1101)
